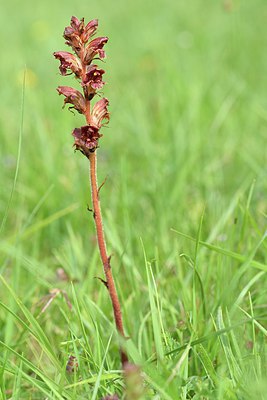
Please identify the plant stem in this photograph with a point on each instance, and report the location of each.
(110, 284)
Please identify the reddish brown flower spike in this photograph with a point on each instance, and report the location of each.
(78, 36)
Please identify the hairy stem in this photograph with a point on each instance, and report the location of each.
(103, 252)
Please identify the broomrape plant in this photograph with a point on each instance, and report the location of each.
(82, 64)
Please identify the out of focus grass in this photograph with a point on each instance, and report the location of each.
(187, 140)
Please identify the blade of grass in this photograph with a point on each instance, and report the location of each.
(17, 383)
(51, 384)
(208, 337)
(196, 275)
(18, 155)
(229, 253)
(155, 312)
(233, 367)
(179, 364)
(36, 331)
(244, 291)
(98, 379)
(92, 380)
(45, 222)
(261, 328)
(207, 364)
(81, 323)
(246, 212)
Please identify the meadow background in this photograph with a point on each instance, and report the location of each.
(185, 155)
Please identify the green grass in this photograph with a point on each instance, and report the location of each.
(184, 204)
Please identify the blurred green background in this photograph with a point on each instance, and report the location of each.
(187, 85)
(187, 88)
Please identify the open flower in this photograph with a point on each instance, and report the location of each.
(95, 48)
(86, 139)
(74, 97)
(100, 112)
(68, 62)
(93, 79)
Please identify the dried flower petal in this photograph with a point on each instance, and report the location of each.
(93, 79)
(68, 62)
(100, 112)
(94, 48)
(86, 139)
(74, 97)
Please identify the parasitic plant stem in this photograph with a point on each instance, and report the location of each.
(103, 251)
(86, 51)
